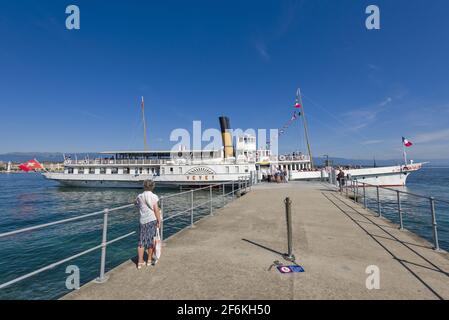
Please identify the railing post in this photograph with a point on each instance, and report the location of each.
(162, 220)
(102, 278)
(233, 192)
(191, 208)
(434, 224)
(401, 223)
(364, 195)
(379, 209)
(354, 183)
(210, 199)
(224, 191)
(288, 214)
(346, 185)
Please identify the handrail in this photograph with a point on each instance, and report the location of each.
(400, 191)
(355, 185)
(103, 245)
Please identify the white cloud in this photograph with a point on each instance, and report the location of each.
(441, 135)
(369, 142)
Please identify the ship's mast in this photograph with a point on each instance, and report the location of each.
(145, 144)
(306, 131)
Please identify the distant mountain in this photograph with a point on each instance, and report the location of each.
(42, 156)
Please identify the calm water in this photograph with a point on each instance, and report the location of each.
(28, 199)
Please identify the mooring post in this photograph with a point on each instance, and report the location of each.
(288, 213)
(434, 224)
(102, 278)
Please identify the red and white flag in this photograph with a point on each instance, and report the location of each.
(31, 165)
(406, 142)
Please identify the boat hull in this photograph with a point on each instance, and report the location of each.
(381, 176)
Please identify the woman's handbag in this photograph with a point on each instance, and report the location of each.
(157, 245)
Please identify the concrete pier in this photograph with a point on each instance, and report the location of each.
(228, 256)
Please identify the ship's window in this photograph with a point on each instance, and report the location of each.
(92, 170)
(227, 169)
(102, 170)
(114, 170)
(246, 169)
(237, 169)
(162, 171)
(171, 170)
(126, 170)
(70, 170)
(180, 170)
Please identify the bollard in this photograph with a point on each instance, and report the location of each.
(364, 195)
(288, 208)
(102, 278)
(210, 199)
(401, 223)
(434, 224)
(379, 209)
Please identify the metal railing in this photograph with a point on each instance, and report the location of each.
(351, 189)
(241, 186)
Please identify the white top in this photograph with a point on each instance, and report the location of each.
(146, 202)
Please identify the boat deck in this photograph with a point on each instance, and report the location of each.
(228, 256)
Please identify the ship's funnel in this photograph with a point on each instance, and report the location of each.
(227, 137)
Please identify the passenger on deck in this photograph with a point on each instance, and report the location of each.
(340, 178)
(150, 220)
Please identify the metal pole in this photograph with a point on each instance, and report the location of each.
(233, 193)
(379, 209)
(210, 199)
(224, 191)
(353, 187)
(288, 208)
(162, 219)
(102, 277)
(191, 208)
(346, 185)
(364, 195)
(401, 224)
(434, 224)
(357, 191)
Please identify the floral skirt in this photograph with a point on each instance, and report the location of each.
(147, 232)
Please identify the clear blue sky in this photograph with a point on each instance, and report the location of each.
(77, 91)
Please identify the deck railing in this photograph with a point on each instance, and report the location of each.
(357, 191)
(237, 188)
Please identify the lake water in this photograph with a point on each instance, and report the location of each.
(28, 199)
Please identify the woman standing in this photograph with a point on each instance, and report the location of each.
(150, 220)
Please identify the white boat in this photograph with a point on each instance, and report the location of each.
(233, 162)
(128, 169)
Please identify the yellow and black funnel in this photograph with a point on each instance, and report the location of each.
(227, 137)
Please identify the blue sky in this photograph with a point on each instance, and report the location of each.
(76, 91)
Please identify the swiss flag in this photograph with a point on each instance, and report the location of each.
(31, 165)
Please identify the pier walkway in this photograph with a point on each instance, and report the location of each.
(228, 255)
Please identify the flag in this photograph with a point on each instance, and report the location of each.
(31, 165)
(294, 116)
(406, 142)
(298, 95)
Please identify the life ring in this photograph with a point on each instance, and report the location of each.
(282, 158)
